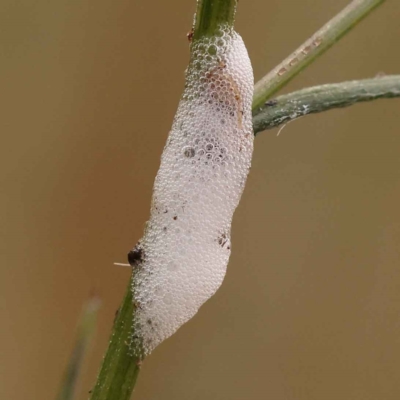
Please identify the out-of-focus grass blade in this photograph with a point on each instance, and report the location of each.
(85, 330)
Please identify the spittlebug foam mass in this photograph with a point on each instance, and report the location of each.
(181, 260)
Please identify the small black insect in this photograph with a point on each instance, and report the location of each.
(135, 256)
(271, 103)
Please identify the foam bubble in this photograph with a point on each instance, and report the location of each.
(186, 246)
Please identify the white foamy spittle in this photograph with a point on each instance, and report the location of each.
(186, 245)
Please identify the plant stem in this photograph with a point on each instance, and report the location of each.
(120, 367)
(321, 41)
(316, 99)
(85, 330)
(211, 14)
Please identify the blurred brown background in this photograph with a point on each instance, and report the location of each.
(310, 308)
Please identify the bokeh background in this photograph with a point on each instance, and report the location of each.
(310, 307)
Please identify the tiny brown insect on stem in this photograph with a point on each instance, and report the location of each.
(189, 35)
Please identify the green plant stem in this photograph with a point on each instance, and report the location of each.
(120, 367)
(211, 14)
(321, 41)
(85, 331)
(316, 99)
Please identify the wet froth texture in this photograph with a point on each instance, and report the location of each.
(181, 260)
